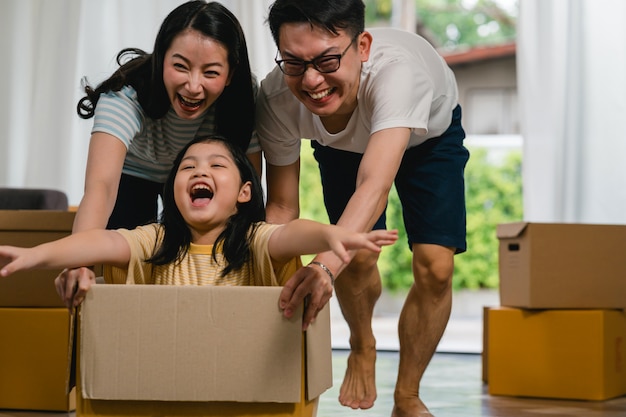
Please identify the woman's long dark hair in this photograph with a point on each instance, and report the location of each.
(234, 112)
(236, 237)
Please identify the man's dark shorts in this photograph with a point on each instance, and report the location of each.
(429, 182)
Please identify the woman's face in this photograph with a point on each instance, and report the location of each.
(208, 188)
(195, 73)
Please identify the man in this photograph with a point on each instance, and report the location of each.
(378, 106)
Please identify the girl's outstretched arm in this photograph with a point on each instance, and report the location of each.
(91, 247)
(307, 237)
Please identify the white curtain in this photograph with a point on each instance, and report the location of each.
(48, 46)
(572, 90)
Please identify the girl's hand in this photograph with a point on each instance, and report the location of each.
(343, 241)
(71, 285)
(13, 259)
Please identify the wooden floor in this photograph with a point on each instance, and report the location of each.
(452, 387)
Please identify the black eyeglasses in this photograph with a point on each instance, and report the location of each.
(324, 63)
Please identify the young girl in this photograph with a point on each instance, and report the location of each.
(212, 232)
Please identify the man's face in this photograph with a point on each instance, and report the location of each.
(328, 95)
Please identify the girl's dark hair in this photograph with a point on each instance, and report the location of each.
(234, 112)
(332, 15)
(236, 237)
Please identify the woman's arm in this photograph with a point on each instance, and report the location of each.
(303, 237)
(91, 247)
(104, 170)
(102, 177)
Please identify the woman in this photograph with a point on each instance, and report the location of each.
(196, 82)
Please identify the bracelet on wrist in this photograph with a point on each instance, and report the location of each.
(325, 269)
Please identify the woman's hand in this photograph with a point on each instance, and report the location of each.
(72, 285)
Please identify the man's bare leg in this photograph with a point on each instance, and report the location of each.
(357, 289)
(423, 320)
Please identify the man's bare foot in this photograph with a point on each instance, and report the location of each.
(410, 407)
(358, 389)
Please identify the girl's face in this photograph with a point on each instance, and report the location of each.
(332, 95)
(207, 189)
(195, 73)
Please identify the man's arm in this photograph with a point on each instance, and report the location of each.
(377, 172)
(282, 193)
(255, 159)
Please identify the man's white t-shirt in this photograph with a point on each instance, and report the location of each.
(405, 83)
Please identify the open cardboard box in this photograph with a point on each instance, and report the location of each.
(562, 265)
(191, 351)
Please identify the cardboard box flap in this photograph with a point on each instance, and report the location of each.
(318, 355)
(189, 343)
(510, 230)
(42, 220)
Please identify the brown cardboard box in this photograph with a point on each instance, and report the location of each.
(485, 353)
(29, 228)
(566, 354)
(190, 351)
(549, 265)
(34, 359)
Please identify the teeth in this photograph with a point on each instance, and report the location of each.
(320, 95)
(189, 102)
(201, 191)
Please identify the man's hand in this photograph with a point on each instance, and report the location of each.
(310, 283)
(72, 285)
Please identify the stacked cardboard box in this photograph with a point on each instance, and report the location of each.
(560, 331)
(34, 324)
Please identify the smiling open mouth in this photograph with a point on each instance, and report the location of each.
(201, 192)
(189, 104)
(322, 94)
